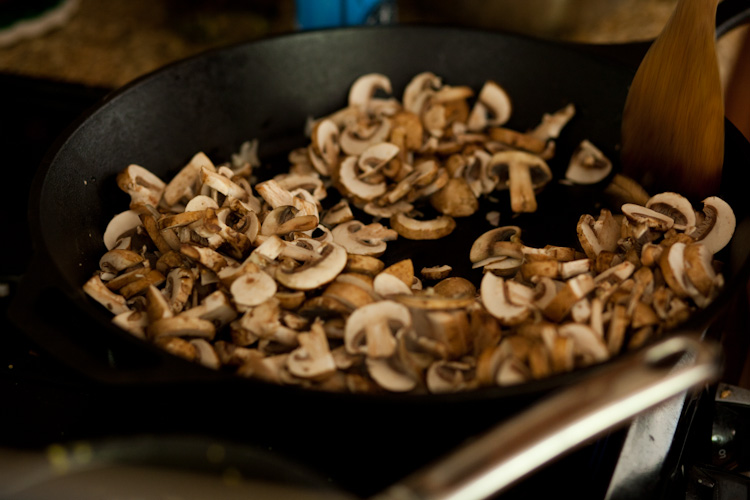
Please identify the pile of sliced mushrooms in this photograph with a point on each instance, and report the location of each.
(259, 279)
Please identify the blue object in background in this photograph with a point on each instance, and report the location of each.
(312, 14)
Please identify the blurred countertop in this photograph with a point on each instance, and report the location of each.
(108, 43)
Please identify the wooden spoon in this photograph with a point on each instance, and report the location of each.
(673, 121)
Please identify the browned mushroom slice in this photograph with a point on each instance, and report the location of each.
(117, 260)
(98, 291)
(587, 343)
(359, 136)
(517, 140)
(134, 322)
(651, 218)
(413, 229)
(363, 264)
(455, 199)
(222, 184)
(436, 272)
(353, 185)
(205, 354)
(206, 256)
(325, 140)
(574, 290)
(419, 90)
(699, 268)
(339, 213)
(522, 173)
(588, 165)
(181, 326)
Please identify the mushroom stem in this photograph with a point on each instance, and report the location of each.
(522, 198)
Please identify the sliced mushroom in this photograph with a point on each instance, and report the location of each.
(144, 187)
(183, 184)
(354, 186)
(717, 226)
(552, 124)
(445, 376)
(360, 239)
(364, 87)
(413, 229)
(588, 165)
(493, 107)
(522, 173)
(455, 199)
(651, 218)
(313, 274)
(676, 207)
(252, 289)
(484, 246)
(313, 358)
(371, 329)
(495, 298)
(118, 226)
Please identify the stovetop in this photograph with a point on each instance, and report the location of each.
(45, 402)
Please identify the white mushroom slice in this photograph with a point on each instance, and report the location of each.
(522, 173)
(588, 165)
(215, 308)
(581, 311)
(357, 137)
(672, 265)
(419, 90)
(717, 226)
(157, 305)
(389, 377)
(350, 180)
(619, 273)
(413, 229)
(375, 157)
(134, 322)
(326, 139)
(252, 289)
(313, 274)
(501, 266)
(360, 239)
(587, 342)
(552, 124)
(495, 298)
(371, 329)
(97, 290)
(205, 354)
(200, 203)
(575, 267)
(445, 376)
(493, 107)
(387, 285)
(222, 184)
(286, 219)
(674, 206)
(246, 155)
(119, 225)
(183, 184)
(364, 87)
(339, 213)
(144, 187)
(313, 358)
(651, 218)
(312, 183)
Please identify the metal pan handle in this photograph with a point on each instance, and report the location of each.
(529, 440)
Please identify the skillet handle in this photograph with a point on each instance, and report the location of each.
(70, 335)
(730, 14)
(615, 394)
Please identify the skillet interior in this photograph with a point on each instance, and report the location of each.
(267, 90)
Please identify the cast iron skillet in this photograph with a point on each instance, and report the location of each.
(267, 90)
